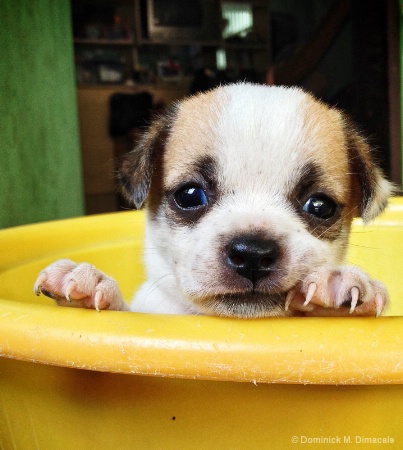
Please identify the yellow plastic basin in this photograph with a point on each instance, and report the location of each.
(74, 378)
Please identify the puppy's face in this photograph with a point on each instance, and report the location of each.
(250, 188)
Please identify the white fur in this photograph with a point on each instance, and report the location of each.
(260, 140)
(261, 147)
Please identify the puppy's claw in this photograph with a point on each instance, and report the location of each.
(310, 293)
(343, 291)
(71, 284)
(46, 293)
(355, 295)
(288, 300)
(38, 284)
(40, 290)
(379, 304)
(69, 289)
(99, 301)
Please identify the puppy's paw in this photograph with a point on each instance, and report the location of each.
(338, 292)
(79, 285)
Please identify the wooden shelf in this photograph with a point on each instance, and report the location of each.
(141, 54)
(112, 42)
(214, 43)
(183, 85)
(178, 43)
(245, 46)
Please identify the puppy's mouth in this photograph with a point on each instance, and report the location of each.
(247, 305)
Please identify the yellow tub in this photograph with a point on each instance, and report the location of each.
(78, 379)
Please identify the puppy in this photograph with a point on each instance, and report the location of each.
(250, 193)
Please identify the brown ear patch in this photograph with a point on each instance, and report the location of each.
(370, 189)
(137, 167)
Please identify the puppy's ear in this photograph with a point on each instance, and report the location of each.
(373, 189)
(137, 167)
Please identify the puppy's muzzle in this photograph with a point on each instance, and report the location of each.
(252, 257)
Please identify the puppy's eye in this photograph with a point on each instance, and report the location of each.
(190, 197)
(320, 206)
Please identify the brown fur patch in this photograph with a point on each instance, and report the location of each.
(347, 156)
(137, 168)
(201, 173)
(327, 149)
(312, 183)
(325, 137)
(363, 170)
(193, 139)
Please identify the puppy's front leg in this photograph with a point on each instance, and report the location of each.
(338, 291)
(79, 285)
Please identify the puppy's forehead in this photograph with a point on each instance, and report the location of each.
(250, 129)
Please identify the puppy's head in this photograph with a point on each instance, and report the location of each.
(248, 189)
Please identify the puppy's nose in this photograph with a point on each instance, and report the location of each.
(251, 257)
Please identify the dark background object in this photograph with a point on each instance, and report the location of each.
(129, 111)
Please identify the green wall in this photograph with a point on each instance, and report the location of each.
(40, 162)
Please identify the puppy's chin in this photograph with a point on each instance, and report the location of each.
(251, 305)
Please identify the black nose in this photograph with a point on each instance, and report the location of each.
(252, 257)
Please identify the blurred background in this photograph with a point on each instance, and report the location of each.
(81, 80)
